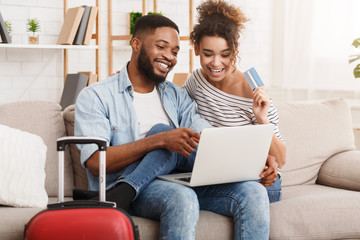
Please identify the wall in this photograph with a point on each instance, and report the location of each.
(36, 74)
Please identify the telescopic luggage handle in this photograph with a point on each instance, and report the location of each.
(101, 143)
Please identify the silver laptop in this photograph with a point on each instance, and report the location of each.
(228, 154)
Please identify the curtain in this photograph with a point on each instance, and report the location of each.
(315, 44)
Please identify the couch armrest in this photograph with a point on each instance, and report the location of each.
(341, 171)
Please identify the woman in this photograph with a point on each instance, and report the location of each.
(223, 96)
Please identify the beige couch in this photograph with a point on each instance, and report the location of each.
(321, 198)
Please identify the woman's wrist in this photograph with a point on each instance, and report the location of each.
(263, 120)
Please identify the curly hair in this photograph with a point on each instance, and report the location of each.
(218, 18)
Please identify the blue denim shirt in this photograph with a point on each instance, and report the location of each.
(105, 109)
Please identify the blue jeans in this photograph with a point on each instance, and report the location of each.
(274, 191)
(142, 172)
(177, 207)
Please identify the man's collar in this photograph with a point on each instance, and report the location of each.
(124, 80)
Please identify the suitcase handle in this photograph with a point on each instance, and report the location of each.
(61, 142)
(101, 143)
(82, 204)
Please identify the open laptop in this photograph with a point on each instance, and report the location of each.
(228, 154)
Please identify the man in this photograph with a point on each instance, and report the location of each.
(151, 127)
(124, 107)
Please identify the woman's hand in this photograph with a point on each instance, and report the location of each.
(269, 175)
(261, 105)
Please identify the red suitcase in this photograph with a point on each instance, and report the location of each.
(81, 219)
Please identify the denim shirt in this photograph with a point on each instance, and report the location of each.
(105, 109)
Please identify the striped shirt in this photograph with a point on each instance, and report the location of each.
(222, 109)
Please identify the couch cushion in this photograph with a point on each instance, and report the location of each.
(13, 220)
(22, 169)
(81, 181)
(313, 132)
(342, 171)
(210, 226)
(12, 226)
(314, 211)
(45, 120)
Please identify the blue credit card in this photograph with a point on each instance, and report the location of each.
(252, 77)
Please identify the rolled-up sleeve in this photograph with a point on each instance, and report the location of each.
(91, 121)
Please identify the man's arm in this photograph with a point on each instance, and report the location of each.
(117, 157)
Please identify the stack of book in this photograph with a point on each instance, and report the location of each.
(4, 34)
(78, 26)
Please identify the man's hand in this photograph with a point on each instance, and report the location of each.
(181, 140)
(269, 175)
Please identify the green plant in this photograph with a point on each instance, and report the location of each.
(134, 16)
(33, 25)
(355, 58)
(8, 26)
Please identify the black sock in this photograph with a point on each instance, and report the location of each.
(79, 194)
(122, 194)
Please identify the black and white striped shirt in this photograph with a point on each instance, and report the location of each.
(222, 109)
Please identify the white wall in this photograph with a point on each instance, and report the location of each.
(35, 74)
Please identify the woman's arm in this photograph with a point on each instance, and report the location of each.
(261, 106)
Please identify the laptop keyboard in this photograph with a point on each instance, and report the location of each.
(184, 179)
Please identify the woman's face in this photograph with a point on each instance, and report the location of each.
(215, 57)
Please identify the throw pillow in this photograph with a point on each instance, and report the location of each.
(22, 169)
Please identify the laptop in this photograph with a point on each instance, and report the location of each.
(228, 154)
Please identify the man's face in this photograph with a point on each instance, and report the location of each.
(158, 54)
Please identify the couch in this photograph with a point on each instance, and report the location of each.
(321, 180)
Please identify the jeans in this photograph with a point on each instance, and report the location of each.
(274, 191)
(142, 172)
(177, 206)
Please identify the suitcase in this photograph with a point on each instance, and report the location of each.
(81, 219)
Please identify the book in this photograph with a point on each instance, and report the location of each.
(90, 25)
(5, 37)
(74, 83)
(70, 26)
(92, 77)
(79, 37)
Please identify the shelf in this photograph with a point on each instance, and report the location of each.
(65, 48)
(43, 46)
(96, 47)
(122, 48)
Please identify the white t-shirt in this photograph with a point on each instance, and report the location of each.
(149, 111)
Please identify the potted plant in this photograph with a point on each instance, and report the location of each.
(33, 28)
(9, 28)
(134, 16)
(355, 58)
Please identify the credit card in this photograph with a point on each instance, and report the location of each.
(252, 77)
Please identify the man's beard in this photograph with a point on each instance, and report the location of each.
(147, 69)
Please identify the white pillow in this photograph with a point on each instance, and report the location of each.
(22, 169)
